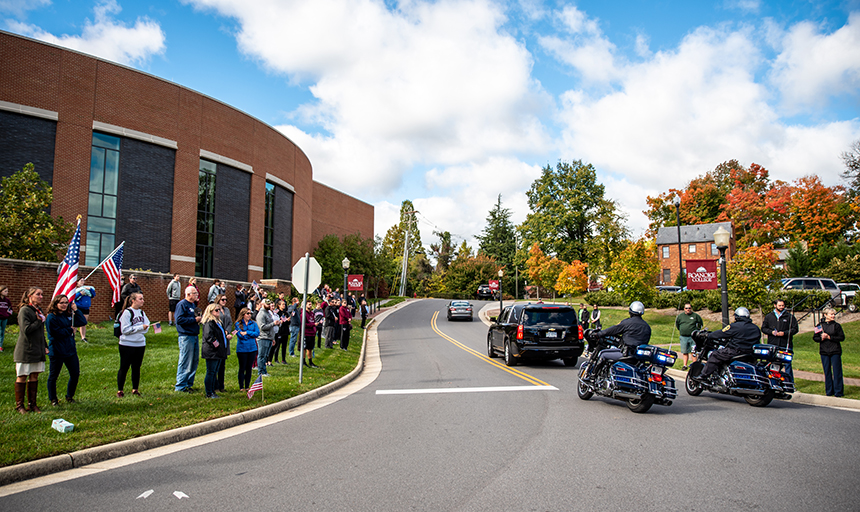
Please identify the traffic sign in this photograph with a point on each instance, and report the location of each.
(494, 285)
(314, 274)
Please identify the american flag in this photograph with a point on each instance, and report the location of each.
(67, 279)
(113, 270)
(258, 384)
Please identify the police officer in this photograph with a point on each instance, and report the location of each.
(739, 339)
(633, 331)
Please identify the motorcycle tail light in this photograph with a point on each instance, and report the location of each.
(774, 374)
(656, 375)
(581, 333)
(519, 332)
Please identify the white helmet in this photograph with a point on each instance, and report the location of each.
(637, 308)
(742, 312)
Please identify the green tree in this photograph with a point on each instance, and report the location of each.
(844, 270)
(395, 238)
(750, 274)
(443, 252)
(565, 203)
(27, 230)
(634, 273)
(498, 240)
(467, 272)
(464, 251)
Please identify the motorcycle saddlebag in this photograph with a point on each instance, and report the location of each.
(624, 375)
(745, 375)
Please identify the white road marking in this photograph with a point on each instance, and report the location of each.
(180, 494)
(463, 390)
(146, 494)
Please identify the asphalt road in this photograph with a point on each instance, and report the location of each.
(444, 428)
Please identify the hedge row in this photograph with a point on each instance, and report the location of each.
(711, 299)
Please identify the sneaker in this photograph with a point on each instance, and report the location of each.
(135, 392)
(55, 403)
(313, 365)
(685, 368)
(84, 340)
(70, 400)
(265, 375)
(213, 395)
(1, 349)
(120, 394)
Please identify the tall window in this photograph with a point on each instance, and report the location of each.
(269, 233)
(101, 209)
(205, 219)
(665, 252)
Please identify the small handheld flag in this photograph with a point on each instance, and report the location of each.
(257, 385)
(67, 280)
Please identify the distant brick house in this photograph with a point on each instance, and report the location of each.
(697, 243)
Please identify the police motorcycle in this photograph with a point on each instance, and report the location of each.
(758, 377)
(639, 378)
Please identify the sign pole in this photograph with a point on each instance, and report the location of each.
(302, 316)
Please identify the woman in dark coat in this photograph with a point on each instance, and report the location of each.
(829, 336)
(63, 317)
(214, 346)
(30, 350)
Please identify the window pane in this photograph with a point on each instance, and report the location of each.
(101, 225)
(111, 171)
(95, 206)
(97, 168)
(105, 141)
(207, 166)
(109, 209)
(107, 246)
(692, 248)
(93, 244)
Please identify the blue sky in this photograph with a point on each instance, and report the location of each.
(453, 102)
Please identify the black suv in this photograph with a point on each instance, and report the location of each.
(536, 331)
(484, 292)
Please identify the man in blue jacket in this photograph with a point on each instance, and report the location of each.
(188, 328)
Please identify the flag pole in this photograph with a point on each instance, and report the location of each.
(104, 260)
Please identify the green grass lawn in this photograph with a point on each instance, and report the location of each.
(100, 417)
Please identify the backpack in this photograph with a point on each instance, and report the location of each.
(117, 328)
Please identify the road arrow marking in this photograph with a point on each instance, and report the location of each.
(145, 495)
(180, 494)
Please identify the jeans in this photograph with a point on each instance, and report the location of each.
(246, 362)
(3, 330)
(294, 336)
(74, 366)
(189, 358)
(263, 347)
(832, 374)
(211, 375)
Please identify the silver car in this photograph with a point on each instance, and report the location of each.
(814, 283)
(459, 309)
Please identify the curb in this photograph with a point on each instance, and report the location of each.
(87, 456)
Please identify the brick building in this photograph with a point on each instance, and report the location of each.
(697, 243)
(192, 185)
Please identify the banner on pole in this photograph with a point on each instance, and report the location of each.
(702, 275)
(355, 282)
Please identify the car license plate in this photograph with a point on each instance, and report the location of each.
(552, 334)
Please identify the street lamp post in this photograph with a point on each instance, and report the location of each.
(678, 216)
(721, 239)
(345, 264)
(501, 273)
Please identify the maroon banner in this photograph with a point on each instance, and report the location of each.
(494, 285)
(702, 275)
(355, 282)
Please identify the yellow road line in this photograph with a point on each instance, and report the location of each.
(479, 355)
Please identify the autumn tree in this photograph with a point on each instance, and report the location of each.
(443, 252)
(634, 273)
(750, 274)
(573, 279)
(543, 270)
(27, 230)
(817, 214)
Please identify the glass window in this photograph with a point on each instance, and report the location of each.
(714, 249)
(692, 248)
(203, 257)
(269, 232)
(667, 275)
(102, 206)
(665, 252)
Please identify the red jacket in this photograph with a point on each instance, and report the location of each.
(345, 315)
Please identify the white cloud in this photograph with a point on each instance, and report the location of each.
(106, 37)
(584, 48)
(746, 6)
(813, 67)
(427, 84)
(20, 7)
(680, 113)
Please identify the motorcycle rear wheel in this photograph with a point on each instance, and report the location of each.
(640, 405)
(760, 401)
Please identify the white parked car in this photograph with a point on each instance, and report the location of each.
(848, 291)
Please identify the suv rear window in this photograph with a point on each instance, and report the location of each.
(829, 284)
(549, 316)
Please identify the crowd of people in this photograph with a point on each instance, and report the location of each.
(263, 327)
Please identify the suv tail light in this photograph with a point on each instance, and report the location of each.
(581, 333)
(520, 332)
